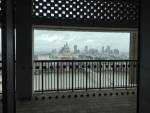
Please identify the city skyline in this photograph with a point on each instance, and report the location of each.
(65, 53)
(75, 49)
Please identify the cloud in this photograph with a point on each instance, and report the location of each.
(89, 41)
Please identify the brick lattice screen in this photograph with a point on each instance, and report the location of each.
(92, 12)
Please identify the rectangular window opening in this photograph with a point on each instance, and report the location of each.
(84, 60)
(81, 45)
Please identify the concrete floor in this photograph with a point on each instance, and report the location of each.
(94, 101)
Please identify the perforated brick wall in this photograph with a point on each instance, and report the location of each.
(92, 12)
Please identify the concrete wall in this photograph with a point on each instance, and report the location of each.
(107, 101)
(23, 50)
(144, 97)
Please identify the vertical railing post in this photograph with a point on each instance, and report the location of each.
(100, 66)
(86, 74)
(42, 77)
(57, 76)
(34, 79)
(113, 75)
(136, 83)
(126, 75)
(72, 76)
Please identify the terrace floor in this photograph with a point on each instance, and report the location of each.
(100, 97)
(93, 101)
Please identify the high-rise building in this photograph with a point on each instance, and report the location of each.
(108, 50)
(103, 49)
(65, 49)
(116, 51)
(86, 49)
(75, 49)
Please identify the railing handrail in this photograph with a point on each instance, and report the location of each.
(84, 60)
(76, 60)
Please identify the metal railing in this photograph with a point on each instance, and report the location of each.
(60, 75)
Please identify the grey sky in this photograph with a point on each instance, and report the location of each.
(46, 40)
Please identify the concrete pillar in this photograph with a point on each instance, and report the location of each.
(8, 67)
(144, 79)
(23, 49)
(133, 54)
